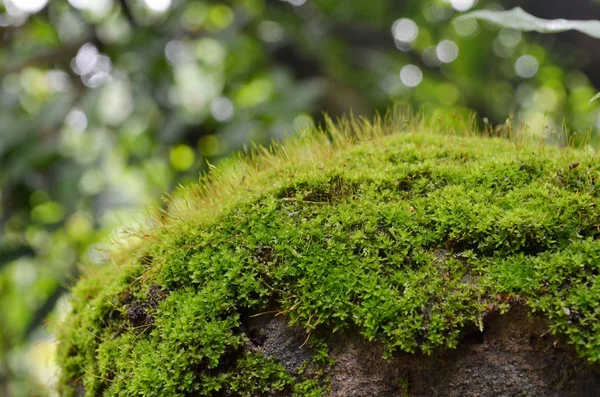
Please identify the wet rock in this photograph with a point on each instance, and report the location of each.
(515, 355)
(271, 336)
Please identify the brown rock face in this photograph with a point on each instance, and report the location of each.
(514, 356)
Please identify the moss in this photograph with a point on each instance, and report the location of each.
(408, 236)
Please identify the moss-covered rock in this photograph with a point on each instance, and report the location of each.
(407, 238)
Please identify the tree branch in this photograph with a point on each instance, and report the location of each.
(128, 13)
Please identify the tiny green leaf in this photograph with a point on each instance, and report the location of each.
(595, 97)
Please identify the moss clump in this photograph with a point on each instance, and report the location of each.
(408, 236)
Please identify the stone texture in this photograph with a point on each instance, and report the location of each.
(515, 355)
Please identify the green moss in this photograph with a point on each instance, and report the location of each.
(408, 236)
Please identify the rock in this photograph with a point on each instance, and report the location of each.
(515, 355)
(415, 242)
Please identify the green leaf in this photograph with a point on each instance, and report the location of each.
(518, 19)
(595, 97)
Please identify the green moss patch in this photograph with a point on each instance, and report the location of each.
(409, 237)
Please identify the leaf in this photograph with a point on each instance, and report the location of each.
(519, 19)
(595, 97)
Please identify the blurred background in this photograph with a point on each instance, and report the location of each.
(105, 105)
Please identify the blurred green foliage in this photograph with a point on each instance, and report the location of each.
(107, 104)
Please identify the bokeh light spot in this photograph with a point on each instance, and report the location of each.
(28, 6)
(99, 8)
(93, 67)
(302, 122)
(447, 51)
(182, 157)
(34, 82)
(437, 12)
(295, 3)
(76, 120)
(462, 5)
(546, 99)
(509, 37)
(210, 146)
(524, 95)
(79, 225)
(270, 31)
(220, 16)
(194, 16)
(92, 182)
(116, 102)
(24, 275)
(210, 51)
(405, 30)
(411, 75)
(576, 79)
(221, 109)
(526, 66)
(501, 50)
(465, 27)
(49, 213)
(254, 93)
(86, 59)
(178, 53)
(38, 197)
(59, 80)
(158, 5)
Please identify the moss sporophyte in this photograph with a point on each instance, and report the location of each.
(407, 234)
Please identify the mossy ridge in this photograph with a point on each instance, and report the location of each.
(409, 236)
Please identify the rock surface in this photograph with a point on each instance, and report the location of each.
(515, 355)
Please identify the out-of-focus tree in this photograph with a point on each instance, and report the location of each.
(107, 104)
